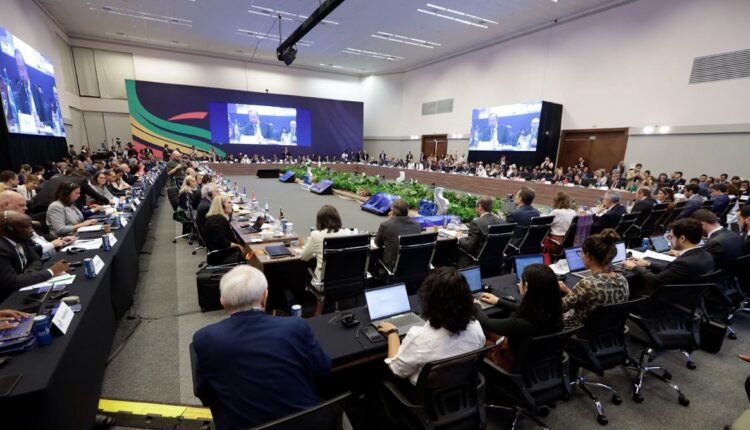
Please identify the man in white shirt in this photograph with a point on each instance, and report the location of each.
(12, 201)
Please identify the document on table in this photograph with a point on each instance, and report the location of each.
(90, 228)
(57, 281)
(651, 254)
(87, 244)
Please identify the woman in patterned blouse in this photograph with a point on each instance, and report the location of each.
(604, 286)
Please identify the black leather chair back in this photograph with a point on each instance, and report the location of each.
(648, 225)
(327, 415)
(570, 236)
(668, 217)
(415, 252)
(626, 221)
(345, 262)
(492, 251)
(537, 230)
(725, 212)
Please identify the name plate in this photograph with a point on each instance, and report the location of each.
(63, 317)
(98, 264)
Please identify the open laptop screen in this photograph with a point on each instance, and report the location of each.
(622, 252)
(524, 260)
(660, 243)
(387, 301)
(573, 256)
(473, 278)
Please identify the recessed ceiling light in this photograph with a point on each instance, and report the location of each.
(286, 16)
(405, 39)
(378, 55)
(140, 15)
(457, 16)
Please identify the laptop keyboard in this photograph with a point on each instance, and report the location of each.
(23, 329)
(405, 320)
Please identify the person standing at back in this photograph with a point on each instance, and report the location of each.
(398, 224)
(253, 367)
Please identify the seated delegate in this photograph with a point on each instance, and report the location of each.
(560, 224)
(219, 233)
(253, 367)
(539, 313)
(20, 265)
(691, 263)
(99, 184)
(724, 245)
(451, 328)
(12, 201)
(327, 223)
(63, 216)
(398, 224)
(478, 228)
(609, 214)
(603, 287)
(523, 213)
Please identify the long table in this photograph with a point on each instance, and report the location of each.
(545, 193)
(60, 384)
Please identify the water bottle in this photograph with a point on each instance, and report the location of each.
(644, 244)
(297, 311)
(265, 210)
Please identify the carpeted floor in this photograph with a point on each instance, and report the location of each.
(153, 363)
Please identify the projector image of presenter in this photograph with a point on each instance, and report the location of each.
(255, 129)
(262, 125)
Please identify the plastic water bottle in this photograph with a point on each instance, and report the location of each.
(266, 210)
(644, 244)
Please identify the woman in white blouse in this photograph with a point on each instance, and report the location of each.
(63, 216)
(563, 218)
(327, 223)
(451, 328)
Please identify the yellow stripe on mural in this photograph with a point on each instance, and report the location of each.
(138, 130)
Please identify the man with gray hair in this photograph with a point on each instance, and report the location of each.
(252, 367)
(609, 214)
(208, 192)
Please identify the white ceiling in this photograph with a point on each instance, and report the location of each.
(211, 27)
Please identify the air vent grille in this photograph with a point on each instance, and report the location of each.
(720, 67)
(436, 107)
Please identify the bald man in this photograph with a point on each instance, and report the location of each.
(176, 168)
(12, 201)
(19, 264)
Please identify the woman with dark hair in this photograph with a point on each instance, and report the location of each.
(327, 223)
(63, 216)
(666, 195)
(540, 313)
(99, 184)
(603, 287)
(451, 328)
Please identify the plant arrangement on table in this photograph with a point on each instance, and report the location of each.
(461, 204)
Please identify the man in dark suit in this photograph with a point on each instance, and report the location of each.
(389, 231)
(676, 180)
(644, 203)
(254, 127)
(610, 214)
(691, 263)
(491, 133)
(478, 228)
(208, 192)
(719, 197)
(693, 203)
(20, 265)
(724, 245)
(252, 367)
(523, 213)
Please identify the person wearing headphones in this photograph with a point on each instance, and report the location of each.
(19, 264)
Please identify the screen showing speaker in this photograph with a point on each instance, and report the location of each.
(505, 128)
(27, 87)
(252, 124)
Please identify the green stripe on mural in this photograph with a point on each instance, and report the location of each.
(135, 106)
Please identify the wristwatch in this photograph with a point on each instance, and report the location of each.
(390, 332)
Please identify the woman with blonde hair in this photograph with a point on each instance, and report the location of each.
(218, 233)
(187, 195)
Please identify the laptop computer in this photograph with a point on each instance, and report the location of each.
(660, 243)
(25, 325)
(474, 278)
(525, 260)
(391, 304)
(576, 266)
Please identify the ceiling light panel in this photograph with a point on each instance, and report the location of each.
(405, 40)
(140, 15)
(286, 16)
(378, 55)
(456, 16)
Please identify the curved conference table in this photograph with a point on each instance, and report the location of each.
(470, 184)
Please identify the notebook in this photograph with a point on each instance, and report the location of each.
(278, 251)
(474, 278)
(391, 304)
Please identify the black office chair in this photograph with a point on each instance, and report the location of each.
(668, 320)
(180, 216)
(668, 217)
(601, 344)
(196, 229)
(328, 415)
(723, 215)
(532, 236)
(625, 223)
(539, 377)
(707, 204)
(344, 271)
(449, 394)
(413, 261)
(491, 254)
(728, 299)
(645, 225)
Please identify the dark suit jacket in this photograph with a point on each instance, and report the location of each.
(675, 183)
(691, 205)
(522, 215)
(218, 233)
(200, 215)
(609, 219)
(388, 233)
(252, 368)
(478, 228)
(12, 275)
(46, 193)
(643, 206)
(486, 134)
(720, 203)
(684, 269)
(725, 246)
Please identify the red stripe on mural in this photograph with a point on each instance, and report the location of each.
(189, 115)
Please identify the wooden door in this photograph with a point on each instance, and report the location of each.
(601, 148)
(435, 145)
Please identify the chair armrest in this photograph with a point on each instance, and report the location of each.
(466, 253)
(396, 393)
(385, 267)
(313, 279)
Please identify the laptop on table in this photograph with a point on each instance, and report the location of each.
(575, 262)
(391, 304)
(474, 278)
(526, 260)
(659, 243)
